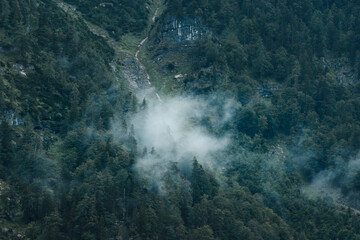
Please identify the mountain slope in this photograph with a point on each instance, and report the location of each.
(179, 119)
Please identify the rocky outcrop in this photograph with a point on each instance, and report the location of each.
(183, 31)
(268, 90)
(135, 73)
(344, 72)
(178, 33)
(171, 40)
(13, 119)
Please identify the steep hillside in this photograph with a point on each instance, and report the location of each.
(179, 119)
(50, 64)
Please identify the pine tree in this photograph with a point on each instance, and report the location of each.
(74, 104)
(132, 143)
(6, 153)
(4, 13)
(200, 182)
(143, 105)
(52, 227)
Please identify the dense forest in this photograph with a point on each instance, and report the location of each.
(262, 142)
(117, 17)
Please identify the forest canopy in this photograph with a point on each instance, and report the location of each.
(272, 90)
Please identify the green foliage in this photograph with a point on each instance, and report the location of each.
(7, 149)
(202, 183)
(57, 54)
(270, 41)
(116, 16)
(68, 177)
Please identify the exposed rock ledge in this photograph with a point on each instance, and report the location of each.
(344, 72)
(183, 31)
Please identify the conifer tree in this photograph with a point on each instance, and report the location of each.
(6, 151)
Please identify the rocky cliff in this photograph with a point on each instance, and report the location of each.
(170, 42)
(182, 31)
(345, 73)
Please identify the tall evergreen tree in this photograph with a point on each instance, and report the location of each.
(7, 149)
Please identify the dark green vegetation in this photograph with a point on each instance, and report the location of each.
(63, 174)
(280, 49)
(116, 16)
(63, 62)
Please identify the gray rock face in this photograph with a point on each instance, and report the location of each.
(13, 119)
(135, 73)
(267, 90)
(176, 35)
(342, 69)
(170, 42)
(183, 31)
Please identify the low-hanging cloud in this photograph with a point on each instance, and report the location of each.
(177, 129)
(336, 185)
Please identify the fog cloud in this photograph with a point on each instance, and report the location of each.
(335, 185)
(176, 129)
